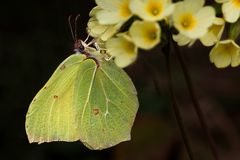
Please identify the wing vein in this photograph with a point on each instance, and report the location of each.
(107, 112)
(49, 120)
(88, 95)
(119, 88)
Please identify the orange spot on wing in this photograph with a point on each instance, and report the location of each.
(63, 67)
(55, 97)
(96, 111)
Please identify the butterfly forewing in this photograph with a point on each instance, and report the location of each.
(51, 114)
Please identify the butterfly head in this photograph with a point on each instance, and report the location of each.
(78, 46)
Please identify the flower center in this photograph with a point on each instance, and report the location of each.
(154, 8)
(155, 12)
(216, 29)
(187, 21)
(124, 10)
(229, 48)
(129, 48)
(152, 35)
(236, 3)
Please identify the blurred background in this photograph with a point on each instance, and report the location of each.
(35, 38)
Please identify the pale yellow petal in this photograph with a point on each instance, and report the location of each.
(221, 1)
(95, 28)
(114, 45)
(108, 4)
(168, 11)
(109, 32)
(196, 33)
(108, 17)
(230, 12)
(218, 21)
(196, 4)
(238, 60)
(235, 60)
(125, 60)
(181, 39)
(94, 11)
(113, 12)
(208, 39)
(189, 6)
(104, 32)
(136, 6)
(205, 17)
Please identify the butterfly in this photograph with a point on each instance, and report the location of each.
(87, 98)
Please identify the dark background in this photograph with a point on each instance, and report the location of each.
(35, 38)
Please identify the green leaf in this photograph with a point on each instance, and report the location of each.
(95, 104)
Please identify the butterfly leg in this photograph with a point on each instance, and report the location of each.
(85, 41)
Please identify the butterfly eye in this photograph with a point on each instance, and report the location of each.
(79, 46)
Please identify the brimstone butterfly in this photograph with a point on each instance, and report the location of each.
(87, 98)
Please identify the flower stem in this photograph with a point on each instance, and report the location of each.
(176, 108)
(195, 101)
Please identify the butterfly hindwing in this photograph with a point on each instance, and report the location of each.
(107, 114)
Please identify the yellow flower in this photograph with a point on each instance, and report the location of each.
(225, 53)
(214, 32)
(192, 19)
(212, 36)
(145, 35)
(95, 29)
(122, 49)
(104, 32)
(230, 9)
(113, 11)
(152, 10)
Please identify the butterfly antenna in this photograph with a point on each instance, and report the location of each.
(71, 28)
(75, 26)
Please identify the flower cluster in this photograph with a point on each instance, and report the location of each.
(124, 26)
